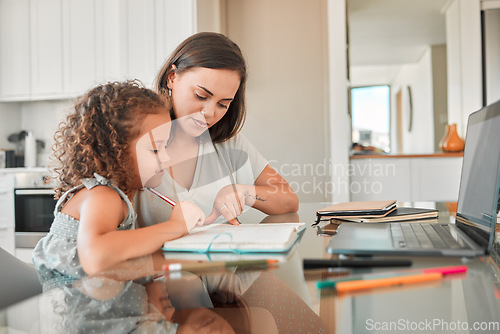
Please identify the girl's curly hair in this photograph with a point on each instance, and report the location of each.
(95, 137)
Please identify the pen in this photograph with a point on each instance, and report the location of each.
(350, 286)
(323, 263)
(174, 267)
(163, 197)
(441, 270)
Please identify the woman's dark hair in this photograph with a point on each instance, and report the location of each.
(214, 51)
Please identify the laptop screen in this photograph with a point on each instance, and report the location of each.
(479, 184)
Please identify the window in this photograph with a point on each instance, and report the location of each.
(370, 116)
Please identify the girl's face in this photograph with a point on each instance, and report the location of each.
(149, 150)
(201, 97)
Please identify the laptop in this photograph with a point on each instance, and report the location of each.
(473, 232)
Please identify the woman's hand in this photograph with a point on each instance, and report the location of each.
(229, 203)
(189, 213)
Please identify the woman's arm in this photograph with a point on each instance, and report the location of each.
(270, 194)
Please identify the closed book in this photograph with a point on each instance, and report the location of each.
(372, 209)
(398, 215)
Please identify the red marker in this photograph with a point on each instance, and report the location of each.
(447, 270)
(163, 197)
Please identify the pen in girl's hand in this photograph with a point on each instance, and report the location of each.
(163, 197)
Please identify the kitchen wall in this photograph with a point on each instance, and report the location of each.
(10, 122)
(418, 76)
(287, 97)
(492, 56)
(41, 117)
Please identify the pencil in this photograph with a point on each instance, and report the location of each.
(350, 286)
(163, 197)
(214, 265)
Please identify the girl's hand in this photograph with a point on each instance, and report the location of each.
(189, 213)
(229, 203)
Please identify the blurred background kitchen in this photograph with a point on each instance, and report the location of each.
(434, 61)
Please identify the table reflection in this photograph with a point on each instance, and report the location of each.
(240, 300)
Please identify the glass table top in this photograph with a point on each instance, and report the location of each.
(138, 296)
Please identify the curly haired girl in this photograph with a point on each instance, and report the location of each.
(110, 146)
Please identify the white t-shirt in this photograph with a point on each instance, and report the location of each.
(236, 157)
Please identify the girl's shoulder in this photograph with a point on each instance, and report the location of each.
(99, 197)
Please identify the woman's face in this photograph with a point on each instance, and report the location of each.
(201, 97)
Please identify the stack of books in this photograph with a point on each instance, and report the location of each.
(374, 212)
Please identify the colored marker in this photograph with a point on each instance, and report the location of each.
(447, 270)
(163, 197)
(324, 263)
(174, 267)
(351, 286)
(441, 270)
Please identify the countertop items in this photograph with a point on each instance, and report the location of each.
(402, 155)
(24, 170)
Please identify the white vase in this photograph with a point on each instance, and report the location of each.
(30, 150)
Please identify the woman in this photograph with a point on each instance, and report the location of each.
(218, 169)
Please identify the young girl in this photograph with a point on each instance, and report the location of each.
(111, 145)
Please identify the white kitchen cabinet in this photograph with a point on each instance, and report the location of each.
(79, 47)
(138, 48)
(435, 179)
(46, 48)
(152, 29)
(7, 223)
(380, 179)
(53, 49)
(409, 179)
(14, 49)
(108, 41)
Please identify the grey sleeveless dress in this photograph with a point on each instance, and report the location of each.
(69, 309)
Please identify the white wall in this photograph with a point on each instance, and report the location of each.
(373, 75)
(284, 43)
(418, 76)
(211, 15)
(339, 121)
(492, 40)
(43, 118)
(463, 41)
(10, 122)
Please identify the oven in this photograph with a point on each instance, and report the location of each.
(34, 208)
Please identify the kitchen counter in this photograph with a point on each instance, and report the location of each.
(406, 177)
(24, 170)
(390, 156)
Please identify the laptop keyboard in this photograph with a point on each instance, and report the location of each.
(427, 236)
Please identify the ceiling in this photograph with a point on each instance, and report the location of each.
(393, 32)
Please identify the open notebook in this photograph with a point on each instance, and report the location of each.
(244, 238)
